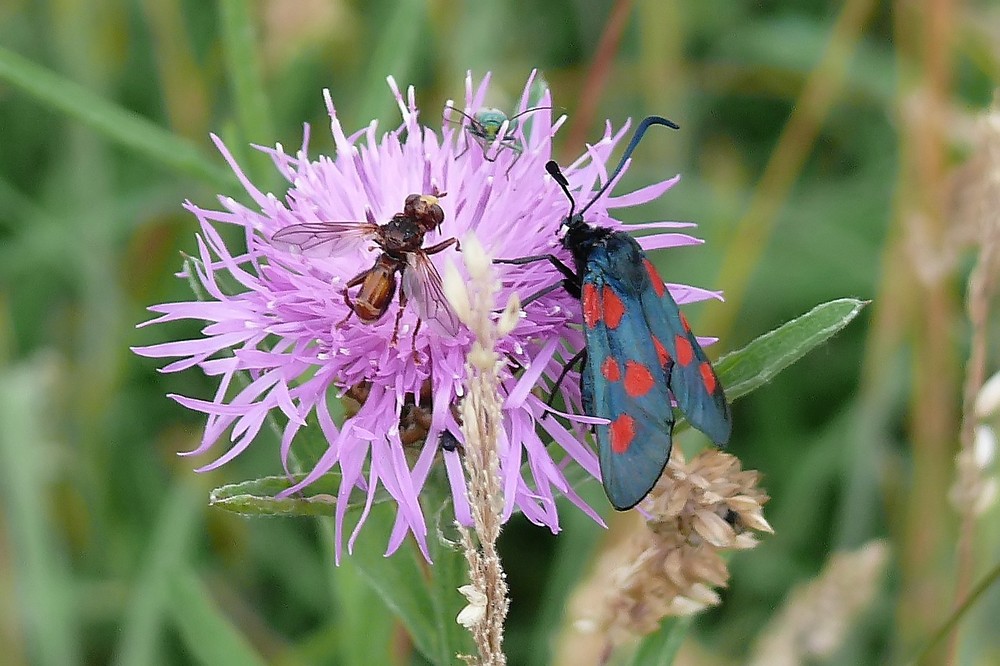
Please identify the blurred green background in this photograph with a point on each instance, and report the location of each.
(819, 147)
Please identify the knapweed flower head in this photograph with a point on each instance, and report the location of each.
(291, 332)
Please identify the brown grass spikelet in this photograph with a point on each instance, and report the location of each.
(697, 510)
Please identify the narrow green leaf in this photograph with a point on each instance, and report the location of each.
(114, 122)
(575, 549)
(660, 649)
(43, 606)
(210, 637)
(253, 113)
(756, 364)
(395, 52)
(180, 517)
(240, 44)
(400, 581)
(256, 497)
(984, 584)
(364, 624)
(449, 572)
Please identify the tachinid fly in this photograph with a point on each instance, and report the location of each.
(401, 241)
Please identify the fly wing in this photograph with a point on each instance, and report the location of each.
(624, 382)
(693, 381)
(422, 287)
(323, 239)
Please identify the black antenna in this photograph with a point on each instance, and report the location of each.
(526, 111)
(647, 122)
(553, 168)
(455, 108)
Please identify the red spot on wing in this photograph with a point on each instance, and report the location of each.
(622, 433)
(638, 379)
(684, 320)
(611, 370)
(614, 309)
(661, 352)
(707, 376)
(685, 352)
(591, 305)
(657, 281)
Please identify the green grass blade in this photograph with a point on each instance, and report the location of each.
(114, 122)
(364, 624)
(756, 364)
(240, 45)
(449, 572)
(395, 53)
(210, 637)
(660, 648)
(44, 590)
(575, 549)
(398, 580)
(172, 535)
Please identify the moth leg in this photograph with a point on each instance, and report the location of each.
(558, 263)
(580, 356)
(546, 290)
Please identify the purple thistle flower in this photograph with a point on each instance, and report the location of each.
(287, 331)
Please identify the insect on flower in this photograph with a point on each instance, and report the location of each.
(639, 349)
(485, 126)
(401, 240)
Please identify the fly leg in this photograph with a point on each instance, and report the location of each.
(413, 341)
(399, 315)
(443, 245)
(353, 282)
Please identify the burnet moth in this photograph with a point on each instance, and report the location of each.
(639, 348)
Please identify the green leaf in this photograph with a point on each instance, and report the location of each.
(43, 603)
(449, 572)
(256, 497)
(574, 551)
(396, 52)
(139, 636)
(210, 637)
(401, 581)
(240, 47)
(756, 364)
(114, 122)
(660, 648)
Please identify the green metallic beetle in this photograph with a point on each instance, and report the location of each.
(484, 127)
